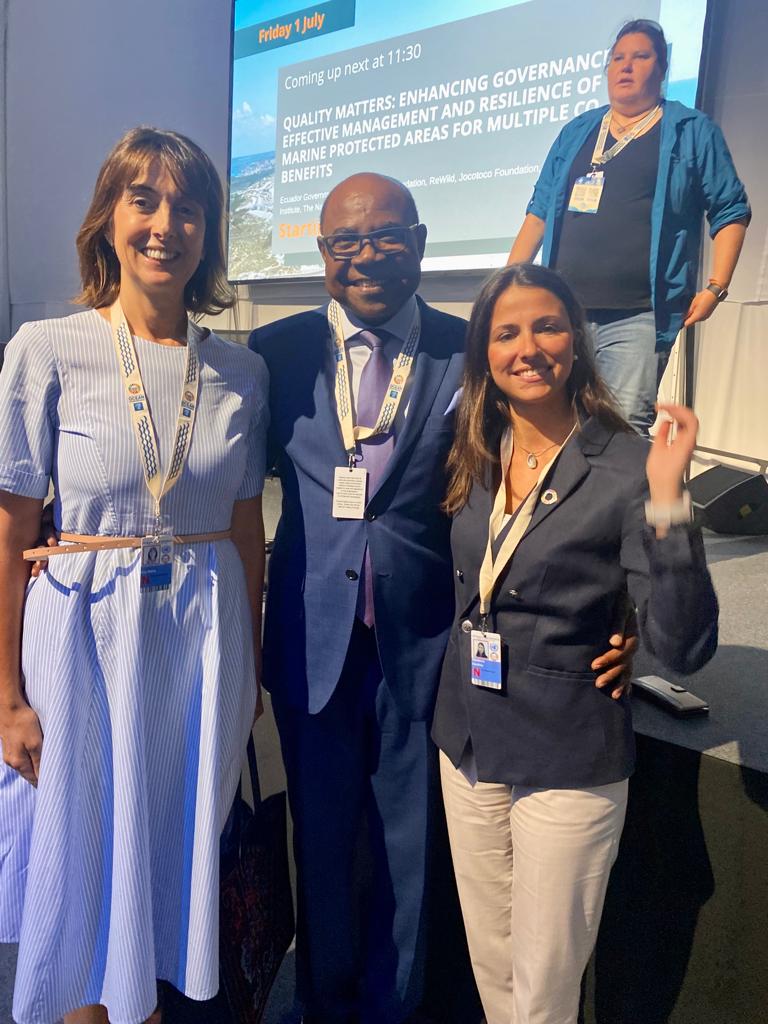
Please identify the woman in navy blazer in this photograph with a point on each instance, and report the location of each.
(553, 495)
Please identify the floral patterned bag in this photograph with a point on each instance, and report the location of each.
(256, 918)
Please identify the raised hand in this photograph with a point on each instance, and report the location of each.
(671, 453)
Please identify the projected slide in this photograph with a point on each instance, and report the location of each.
(460, 99)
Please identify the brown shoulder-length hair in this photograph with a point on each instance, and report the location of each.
(483, 411)
(207, 291)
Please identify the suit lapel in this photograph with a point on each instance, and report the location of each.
(570, 469)
(430, 367)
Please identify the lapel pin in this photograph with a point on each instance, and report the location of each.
(549, 497)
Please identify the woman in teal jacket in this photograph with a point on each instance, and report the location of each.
(618, 211)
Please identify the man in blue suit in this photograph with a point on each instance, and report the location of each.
(359, 603)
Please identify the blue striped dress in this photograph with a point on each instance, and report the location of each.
(109, 870)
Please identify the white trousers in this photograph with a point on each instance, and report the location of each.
(532, 868)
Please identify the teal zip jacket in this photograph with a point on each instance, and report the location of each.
(696, 176)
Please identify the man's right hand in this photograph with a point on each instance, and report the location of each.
(47, 539)
(615, 666)
(22, 740)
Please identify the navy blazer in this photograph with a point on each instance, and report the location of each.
(555, 606)
(316, 559)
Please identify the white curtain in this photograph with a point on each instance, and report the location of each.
(5, 298)
(731, 387)
(730, 371)
(730, 382)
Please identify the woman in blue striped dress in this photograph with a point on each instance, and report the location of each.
(128, 679)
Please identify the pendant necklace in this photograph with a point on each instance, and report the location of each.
(532, 460)
(620, 128)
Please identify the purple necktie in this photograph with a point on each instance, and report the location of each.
(374, 381)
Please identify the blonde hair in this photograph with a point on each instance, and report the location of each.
(208, 290)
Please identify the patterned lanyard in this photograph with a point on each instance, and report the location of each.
(401, 369)
(599, 157)
(141, 418)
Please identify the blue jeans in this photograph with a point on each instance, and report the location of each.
(629, 362)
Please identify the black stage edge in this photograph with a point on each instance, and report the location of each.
(684, 937)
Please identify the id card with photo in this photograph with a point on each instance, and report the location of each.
(349, 492)
(587, 192)
(485, 651)
(156, 563)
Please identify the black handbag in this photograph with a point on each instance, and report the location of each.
(257, 923)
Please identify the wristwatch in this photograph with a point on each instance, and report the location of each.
(717, 290)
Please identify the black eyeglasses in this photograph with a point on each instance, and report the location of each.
(345, 245)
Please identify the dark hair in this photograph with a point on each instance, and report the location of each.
(207, 291)
(655, 33)
(483, 411)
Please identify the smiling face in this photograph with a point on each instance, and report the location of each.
(372, 285)
(157, 233)
(634, 74)
(530, 348)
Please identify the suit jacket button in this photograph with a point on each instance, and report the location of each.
(514, 593)
(370, 516)
(460, 575)
(466, 626)
(351, 574)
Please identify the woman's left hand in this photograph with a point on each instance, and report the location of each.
(669, 458)
(703, 305)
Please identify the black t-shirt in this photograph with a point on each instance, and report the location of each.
(605, 256)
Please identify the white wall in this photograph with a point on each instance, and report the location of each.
(739, 104)
(731, 364)
(79, 73)
(4, 284)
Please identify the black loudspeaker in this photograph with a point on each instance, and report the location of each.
(728, 500)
